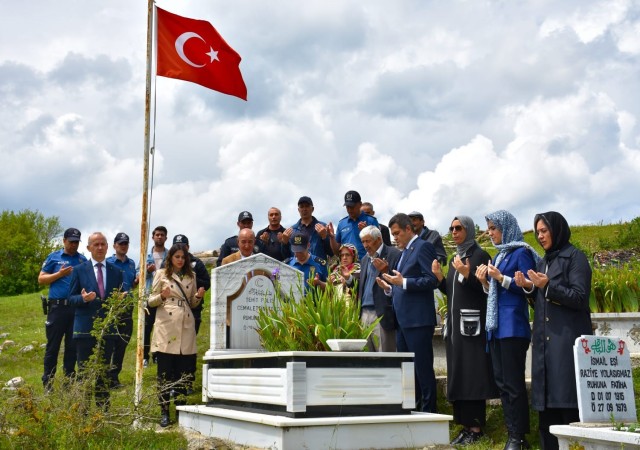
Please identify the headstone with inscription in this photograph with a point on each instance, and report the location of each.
(604, 379)
(238, 291)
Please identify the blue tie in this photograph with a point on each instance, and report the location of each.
(400, 260)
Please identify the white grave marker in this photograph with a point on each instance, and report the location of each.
(604, 379)
(238, 290)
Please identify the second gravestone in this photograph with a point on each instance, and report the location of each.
(604, 380)
(238, 291)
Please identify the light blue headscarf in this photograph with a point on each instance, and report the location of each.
(511, 239)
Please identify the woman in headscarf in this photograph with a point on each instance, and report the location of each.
(560, 286)
(469, 374)
(347, 271)
(508, 330)
(174, 336)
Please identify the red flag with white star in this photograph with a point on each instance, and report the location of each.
(192, 50)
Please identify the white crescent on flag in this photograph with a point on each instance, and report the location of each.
(182, 39)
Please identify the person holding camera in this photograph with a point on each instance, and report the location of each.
(470, 380)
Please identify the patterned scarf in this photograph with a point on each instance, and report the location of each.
(511, 239)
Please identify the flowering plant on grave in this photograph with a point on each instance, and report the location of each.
(305, 325)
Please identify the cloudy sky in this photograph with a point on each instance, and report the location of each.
(457, 107)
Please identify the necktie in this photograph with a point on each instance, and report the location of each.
(100, 279)
(400, 260)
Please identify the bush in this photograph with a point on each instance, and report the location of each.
(630, 234)
(26, 238)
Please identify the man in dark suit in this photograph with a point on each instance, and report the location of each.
(92, 283)
(411, 286)
(374, 303)
(417, 219)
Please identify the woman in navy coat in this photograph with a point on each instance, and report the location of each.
(560, 285)
(508, 330)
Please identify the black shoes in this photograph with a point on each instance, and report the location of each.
(467, 437)
(460, 436)
(517, 443)
(164, 420)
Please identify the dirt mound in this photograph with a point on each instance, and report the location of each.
(616, 257)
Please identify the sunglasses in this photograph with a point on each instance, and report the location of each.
(457, 228)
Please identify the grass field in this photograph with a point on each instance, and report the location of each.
(21, 317)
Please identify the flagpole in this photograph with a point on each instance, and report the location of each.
(144, 228)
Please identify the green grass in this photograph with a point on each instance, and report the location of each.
(22, 318)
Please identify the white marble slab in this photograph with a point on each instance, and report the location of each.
(416, 430)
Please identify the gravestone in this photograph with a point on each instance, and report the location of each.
(238, 291)
(604, 379)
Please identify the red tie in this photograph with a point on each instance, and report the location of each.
(100, 278)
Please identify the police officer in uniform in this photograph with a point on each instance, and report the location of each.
(313, 267)
(56, 273)
(125, 322)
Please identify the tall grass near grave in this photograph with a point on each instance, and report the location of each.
(615, 289)
(67, 418)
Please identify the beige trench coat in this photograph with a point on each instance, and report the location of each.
(174, 330)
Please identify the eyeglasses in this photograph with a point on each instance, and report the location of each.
(456, 227)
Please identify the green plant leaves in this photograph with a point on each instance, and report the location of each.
(615, 289)
(307, 324)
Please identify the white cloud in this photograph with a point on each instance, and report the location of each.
(447, 107)
(590, 21)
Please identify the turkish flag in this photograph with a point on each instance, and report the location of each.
(192, 50)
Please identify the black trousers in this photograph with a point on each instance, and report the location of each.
(555, 416)
(59, 325)
(419, 340)
(197, 316)
(470, 413)
(149, 321)
(119, 347)
(173, 373)
(85, 347)
(508, 357)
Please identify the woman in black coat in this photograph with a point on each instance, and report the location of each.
(560, 287)
(470, 379)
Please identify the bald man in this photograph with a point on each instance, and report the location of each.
(246, 245)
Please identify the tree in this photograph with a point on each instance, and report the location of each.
(26, 238)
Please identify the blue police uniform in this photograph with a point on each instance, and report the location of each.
(125, 321)
(349, 233)
(315, 264)
(319, 247)
(60, 317)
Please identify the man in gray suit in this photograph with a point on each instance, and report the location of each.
(374, 302)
